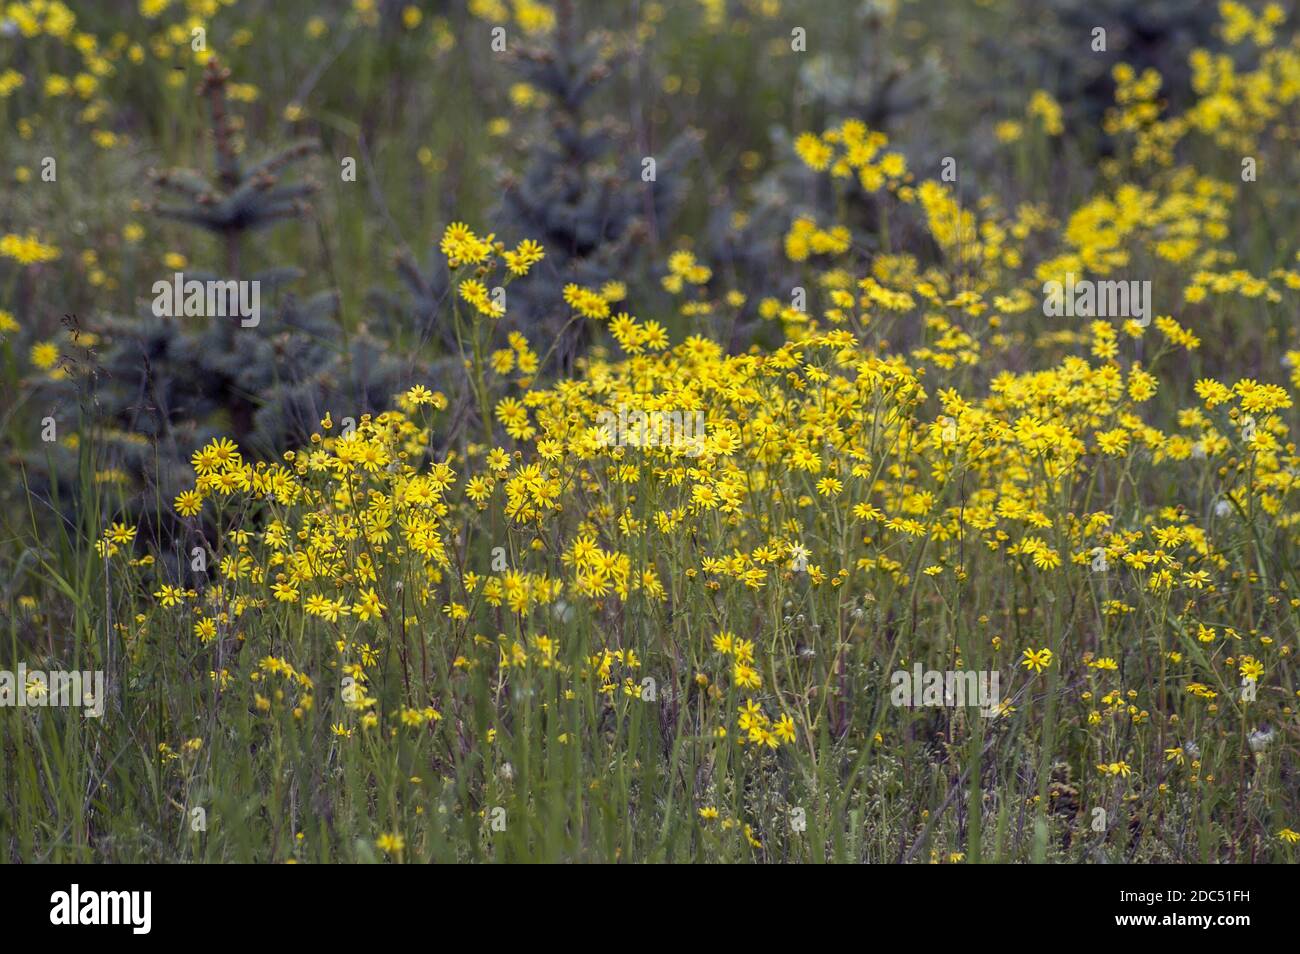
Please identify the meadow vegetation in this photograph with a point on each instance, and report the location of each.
(378, 579)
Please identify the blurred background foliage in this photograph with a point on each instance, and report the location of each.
(443, 128)
(527, 119)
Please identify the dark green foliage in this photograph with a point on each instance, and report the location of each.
(581, 190)
(398, 317)
(875, 82)
(239, 197)
(1049, 45)
(160, 387)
